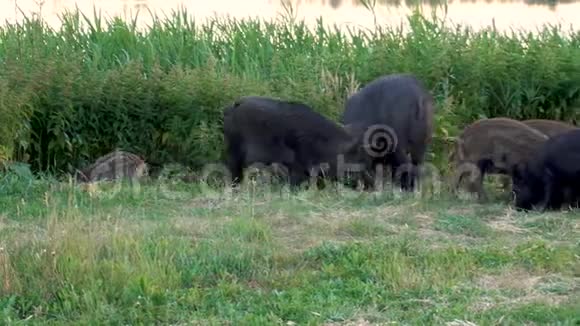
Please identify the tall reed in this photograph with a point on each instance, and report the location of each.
(72, 94)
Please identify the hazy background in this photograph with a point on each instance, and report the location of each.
(477, 13)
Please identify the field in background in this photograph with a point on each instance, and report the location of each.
(73, 94)
(171, 253)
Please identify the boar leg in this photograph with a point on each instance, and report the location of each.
(296, 179)
(417, 158)
(457, 179)
(476, 186)
(484, 166)
(235, 160)
(297, 175)
(235, 166)
(372, 180)
(402, 170)
(550, 198)
(473, 175)
(321, 173)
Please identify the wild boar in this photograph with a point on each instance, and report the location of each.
(399, 110)
(550, 128)
(492, 146)
(114, 166)
(551, 177)
(262, 130)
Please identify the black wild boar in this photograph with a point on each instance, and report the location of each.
(551, 175)
(400, 110)
(550, 128)
(553, 128)
(492, 146)
(114, 166)
(271, 131)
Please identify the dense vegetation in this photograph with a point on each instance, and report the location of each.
(70, 95)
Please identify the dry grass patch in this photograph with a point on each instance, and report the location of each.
(193, 227)
(311, 231)
(519, 281)
(458, 322)
(425, 220)
(209, 203)
(389, 212)
(514, 280)
(506, 226)
(357, 322)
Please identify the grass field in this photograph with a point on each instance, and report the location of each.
(176, 253)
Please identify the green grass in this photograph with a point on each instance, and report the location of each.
(75, 93)
(458, 224)
(147, 255)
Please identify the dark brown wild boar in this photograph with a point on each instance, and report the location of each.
(396, 111)
(114, 166)
(550, 128)
(270, 131)
(492, 146)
